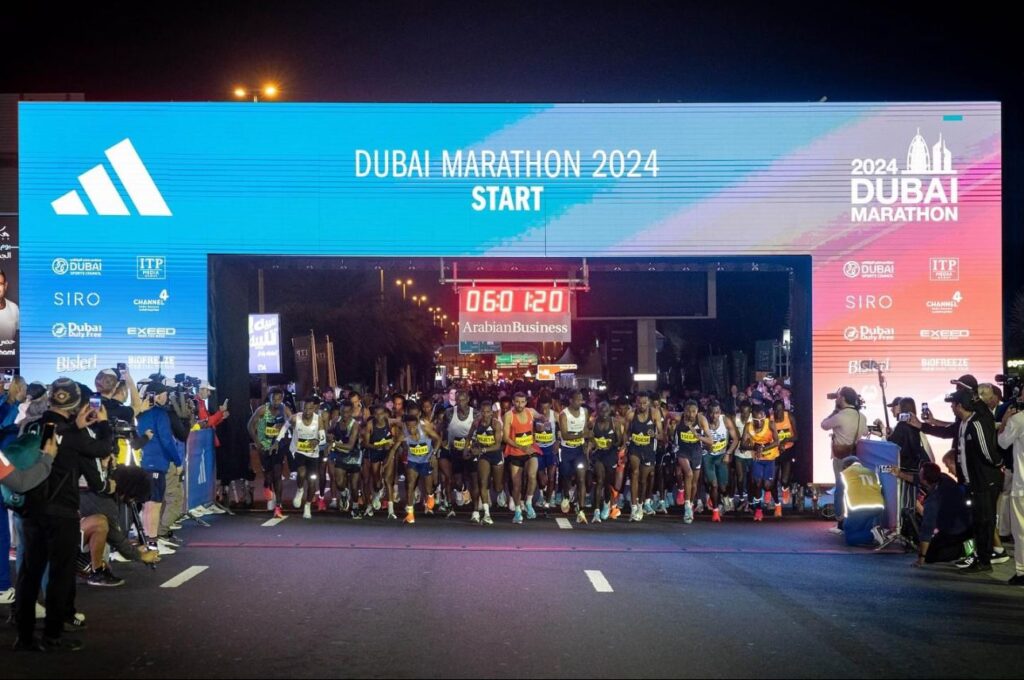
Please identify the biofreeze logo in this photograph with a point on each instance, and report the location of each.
(925, 190)
(146, 361)
(945, 364)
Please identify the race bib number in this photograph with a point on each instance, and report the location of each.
(545, 437)
(383, 443)
(718, 447)
(485, 439)
(419, 449)
(524, 439)
(272, 431)
(459, 444)
(574, 443)
(688, 437)
(603, 443)
(307, 445)
(640, 439)
(784, 435)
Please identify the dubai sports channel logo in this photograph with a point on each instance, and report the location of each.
(925, 190)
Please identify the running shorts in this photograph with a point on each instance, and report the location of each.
(715, 469)
(763, 470)
(571, 460)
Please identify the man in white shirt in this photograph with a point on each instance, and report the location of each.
(10, 315)
(1011, 433)
(848, 425)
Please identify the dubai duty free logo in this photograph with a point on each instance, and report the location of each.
(925, 190)
(104, 196)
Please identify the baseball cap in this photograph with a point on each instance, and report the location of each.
(156, 388)
(967, 381)
(894, 403)
(963, 397)
(65, 393)
(205, 385)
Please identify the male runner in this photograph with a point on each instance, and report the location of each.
(264, 426)
(347, 454)
(644, 429)
(605, 438)
(572, 428)
(690, 436)
(487, 446)
(521, 452)
(457, 423)
(718, 455)
(743, 459)
(761, 436)
(545, 427)
(421, 440)
(308, 434)
(379, 439)
(785, 425)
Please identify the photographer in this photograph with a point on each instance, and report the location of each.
(158, 456)
(1011, 434)
(946, 520)
(913, 454)
(978, 464)
(51, 519)
(848, 425)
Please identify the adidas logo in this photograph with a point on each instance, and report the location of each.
(103, 194)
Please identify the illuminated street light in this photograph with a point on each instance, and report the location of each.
(268, 91)
(404, 284)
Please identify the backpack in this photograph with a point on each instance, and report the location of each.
(23, 453)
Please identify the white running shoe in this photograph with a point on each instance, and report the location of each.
(633, 512)
(700, 507)
(487, 519)
(271, 505)
(376, 499)
(7, 597)
(475, 517)
(297, 501)
(511, 504)
(307, 513)
(502, 499)
(597, 517)
(391, 512)
(581, 517)
(214, 510)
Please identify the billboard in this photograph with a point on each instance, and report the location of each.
(898, 205)
(264, 343)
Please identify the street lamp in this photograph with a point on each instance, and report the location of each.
(268, 91)
(404, 284)
(419, 299)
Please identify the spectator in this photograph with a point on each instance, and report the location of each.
(51, 520)
(1011, 434)
(946, 520)
(158, 457)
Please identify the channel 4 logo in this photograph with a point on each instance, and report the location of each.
(151, 268)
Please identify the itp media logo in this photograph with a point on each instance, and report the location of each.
(151, 268)
(944, 268)
(100, 189)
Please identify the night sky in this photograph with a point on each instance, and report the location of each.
(530, 51)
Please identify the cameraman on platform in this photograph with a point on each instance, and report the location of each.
(978, 463)
(848, 425)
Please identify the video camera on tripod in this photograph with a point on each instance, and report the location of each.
(1012, 389)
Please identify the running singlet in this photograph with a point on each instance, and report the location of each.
(604, 437)
(544, 430)
(522, 434)
(641, 436)
(575, 425)
(342, 434)
(270, 426)
(763, 437)
(741, 427)
(785, 429)
(720, 437)
(306, 439)
(458, 431)
(688, 437)
(485, 437)
(420, 446)
(381, 438)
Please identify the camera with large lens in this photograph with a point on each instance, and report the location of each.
(1012, 391)
(122, 428)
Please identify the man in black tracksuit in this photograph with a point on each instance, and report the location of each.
(51, 519)
(978, 466)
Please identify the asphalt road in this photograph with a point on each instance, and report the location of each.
(332, 597)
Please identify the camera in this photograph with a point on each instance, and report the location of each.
(186, 384)
(122, 428)
(858, 404)
(1012, 391)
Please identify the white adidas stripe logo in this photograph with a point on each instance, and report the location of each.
(103, 194)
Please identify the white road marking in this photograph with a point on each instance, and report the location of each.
(598, 580)
(274, 522)
(184, 576)
(563, 523)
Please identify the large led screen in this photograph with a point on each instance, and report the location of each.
(898, 205)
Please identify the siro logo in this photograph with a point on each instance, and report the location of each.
(151, 333)
(76, 299)
(935, 334)
(869, 333)
(869, 302)
(102, 193)
(944, 269)
(77, 266)
(70, 364)
(76, 330)
(870, 269)
(868, 366)
(945, 306)
(945, 364)
(149, 268)
(153, 304)
(925, 190)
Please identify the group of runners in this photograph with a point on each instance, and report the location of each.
(527, 453)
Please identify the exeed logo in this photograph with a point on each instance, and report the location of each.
(151, 333)
(945, 334)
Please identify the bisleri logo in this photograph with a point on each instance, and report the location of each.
(102, 193)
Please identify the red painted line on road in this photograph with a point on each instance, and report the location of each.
(522, 548)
